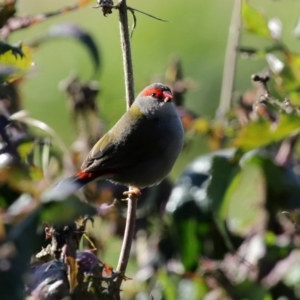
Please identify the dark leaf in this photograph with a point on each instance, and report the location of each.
(15, 50)
(251, 291)
(47, 281)
(15, 253)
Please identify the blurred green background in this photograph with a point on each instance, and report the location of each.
(196, 33)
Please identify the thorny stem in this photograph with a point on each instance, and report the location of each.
(230, 61)
(129, 89)
(128, 237)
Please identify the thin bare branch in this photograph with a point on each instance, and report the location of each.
(126, 52)
(129, 90)
(128, 237)
(230, 61)
(20, 22)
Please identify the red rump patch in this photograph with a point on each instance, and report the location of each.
(85, 175)
(93, 175)
(157, 93)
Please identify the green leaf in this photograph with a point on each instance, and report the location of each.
(244, 203)
(168, 286)
(293, 60)
(262, 132)
(251, 291)
(254, 21)
(190, 245)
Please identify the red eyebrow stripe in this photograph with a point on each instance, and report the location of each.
(159, 93)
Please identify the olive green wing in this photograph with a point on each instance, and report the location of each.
(111, 153)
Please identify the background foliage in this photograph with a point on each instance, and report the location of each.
(228, 227)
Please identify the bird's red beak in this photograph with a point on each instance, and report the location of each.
(167, 96)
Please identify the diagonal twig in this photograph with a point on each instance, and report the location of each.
(144, 13)
(107, 7)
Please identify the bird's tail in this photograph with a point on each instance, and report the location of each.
(70, 185)
(77, 181)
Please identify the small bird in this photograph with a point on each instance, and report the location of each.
(142, 147)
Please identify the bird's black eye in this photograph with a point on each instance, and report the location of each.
(153, 95)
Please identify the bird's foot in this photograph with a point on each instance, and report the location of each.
(133, 192)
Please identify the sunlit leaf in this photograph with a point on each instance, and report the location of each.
(254, 21)
(244, 200)
(262, 132)
(287, 85)
(294, 97)
(35, 173)
(293, 60)
(19, 62)
(201, 125)
(25, 148)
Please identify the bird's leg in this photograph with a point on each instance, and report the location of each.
(133, 191)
